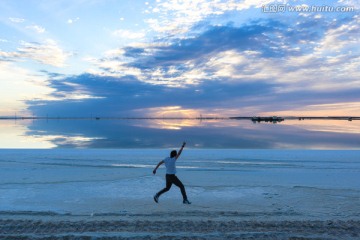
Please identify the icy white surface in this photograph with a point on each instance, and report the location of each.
(256, 183)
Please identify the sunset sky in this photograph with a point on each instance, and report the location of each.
(179, 58)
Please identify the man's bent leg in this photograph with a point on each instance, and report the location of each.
(179, 184)
(168, 186)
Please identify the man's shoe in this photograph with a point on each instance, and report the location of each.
(156, 198)
(186, 202)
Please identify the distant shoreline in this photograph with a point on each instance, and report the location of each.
(257, 118)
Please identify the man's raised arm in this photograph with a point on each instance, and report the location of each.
(182, 147)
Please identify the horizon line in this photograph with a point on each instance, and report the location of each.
(183, 118)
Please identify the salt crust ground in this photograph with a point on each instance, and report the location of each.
(177, 225)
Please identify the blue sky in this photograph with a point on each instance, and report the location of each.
(179, 58)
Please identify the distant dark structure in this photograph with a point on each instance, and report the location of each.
(273, 119)
(255, 119)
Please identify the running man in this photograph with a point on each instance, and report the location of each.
(171, 178)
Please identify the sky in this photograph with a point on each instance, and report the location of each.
(126, 58)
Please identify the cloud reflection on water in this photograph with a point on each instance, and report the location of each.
(332, 126)
(162, 133)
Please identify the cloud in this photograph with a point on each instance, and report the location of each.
(91, 95)
(8, 56)
(36, 28)
(48, 53)
(352, 3)
(185, 61)
(67, 90)
(336, 109)
(344, 37)
(16, 20)
(176, 17)
(113, 96)
(127, 34)
(71, 21)
(32, 84)
(170, 112)
(260, 65)
(263, 50)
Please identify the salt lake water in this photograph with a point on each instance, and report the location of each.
(293, 169)
(161, 133)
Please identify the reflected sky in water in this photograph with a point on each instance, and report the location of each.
(290, 134)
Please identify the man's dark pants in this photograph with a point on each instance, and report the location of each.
(173, 179)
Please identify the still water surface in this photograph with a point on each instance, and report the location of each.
(238, 134)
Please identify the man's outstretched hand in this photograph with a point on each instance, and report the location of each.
(184, 143)
(154, 171)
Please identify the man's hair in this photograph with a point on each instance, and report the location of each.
(173, 153)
